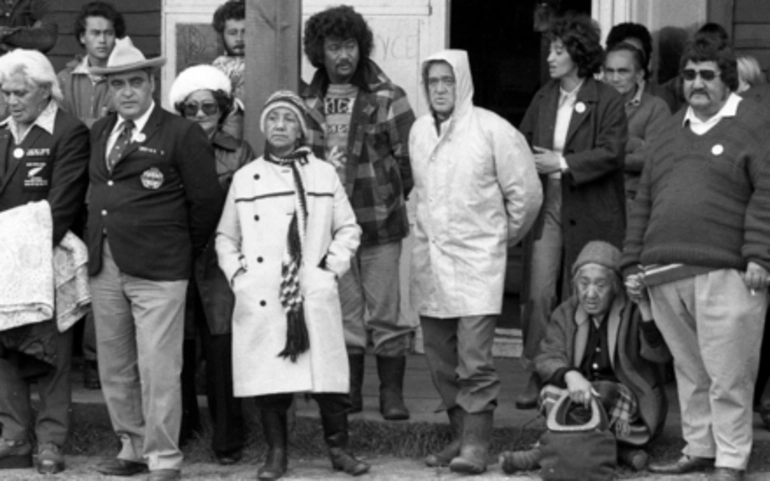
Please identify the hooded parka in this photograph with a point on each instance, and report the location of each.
(476, 192)
(252, 236)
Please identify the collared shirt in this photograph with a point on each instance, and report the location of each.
(567, 101)
(139, 124)
(82, 69)
(637, 98)
(45, 121)
(700, 127)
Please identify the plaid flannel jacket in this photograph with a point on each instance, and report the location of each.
(378, 172)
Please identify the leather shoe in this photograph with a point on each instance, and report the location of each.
(685, 464)
(226, 458)
(727, 474)
(164, 475)
(120, 467)
(48, 459)
(15, 454)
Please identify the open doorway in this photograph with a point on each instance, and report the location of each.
(507, 56)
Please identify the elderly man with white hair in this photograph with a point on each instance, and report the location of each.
(43, 156)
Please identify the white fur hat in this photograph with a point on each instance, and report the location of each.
(199, 77)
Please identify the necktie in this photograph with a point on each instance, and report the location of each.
(120, 144)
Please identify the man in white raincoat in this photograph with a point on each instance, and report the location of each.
(477, 192)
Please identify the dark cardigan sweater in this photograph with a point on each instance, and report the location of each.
(704, 200)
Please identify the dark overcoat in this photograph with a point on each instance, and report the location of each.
(593, 194)
(160, 203)
(217, 299)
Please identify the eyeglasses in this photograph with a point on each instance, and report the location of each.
(707, 75)
(191, 109)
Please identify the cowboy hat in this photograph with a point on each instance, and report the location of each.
(125, 58)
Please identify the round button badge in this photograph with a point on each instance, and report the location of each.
(717, 149)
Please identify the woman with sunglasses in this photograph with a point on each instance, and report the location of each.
(286, 236)
(203, 95)
(577, 129)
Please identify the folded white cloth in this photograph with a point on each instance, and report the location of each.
(70, 264)
(30, 270)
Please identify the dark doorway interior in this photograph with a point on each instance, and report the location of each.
(506, 53)
(507, 59)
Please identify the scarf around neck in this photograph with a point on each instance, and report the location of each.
(297, 340)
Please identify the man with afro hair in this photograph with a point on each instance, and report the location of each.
(359, 121)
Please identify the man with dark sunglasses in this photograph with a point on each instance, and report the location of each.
(698, 237)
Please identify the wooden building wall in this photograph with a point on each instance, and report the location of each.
(143, 25)
(748, 22)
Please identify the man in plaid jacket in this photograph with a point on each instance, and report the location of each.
(359, 121)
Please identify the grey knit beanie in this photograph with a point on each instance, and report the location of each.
(599, 252)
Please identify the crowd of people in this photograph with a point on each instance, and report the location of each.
(643, 210)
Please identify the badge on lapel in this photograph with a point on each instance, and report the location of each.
(152, 178)
(580, 107)
(18, 153)
(140, 137)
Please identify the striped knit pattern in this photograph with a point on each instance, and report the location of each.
(704, 200)
(290, 293)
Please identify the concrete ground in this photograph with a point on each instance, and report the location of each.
(422, 401)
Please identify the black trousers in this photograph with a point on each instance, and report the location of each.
(225, 409)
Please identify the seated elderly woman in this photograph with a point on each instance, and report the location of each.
(203, 94)
(599, 343)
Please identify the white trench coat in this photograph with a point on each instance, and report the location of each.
(252, 235)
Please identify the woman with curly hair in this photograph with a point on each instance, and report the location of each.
(577, 129)
(203, 94)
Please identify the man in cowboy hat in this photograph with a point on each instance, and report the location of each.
(155, 201)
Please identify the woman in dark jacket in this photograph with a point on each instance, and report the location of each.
(577, 129)
(203, 94)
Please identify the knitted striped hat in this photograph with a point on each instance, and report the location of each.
(286, 99)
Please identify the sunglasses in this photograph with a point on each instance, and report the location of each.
(689, 74)
(209, 108)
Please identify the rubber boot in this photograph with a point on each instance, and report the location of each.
(335, 428)
(477, 434)
(356, 363)
(452, 450)
(528, 398)
(513, 461)
(391, 371)
(274, 427)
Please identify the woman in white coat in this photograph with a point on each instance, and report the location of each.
(286, 235)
